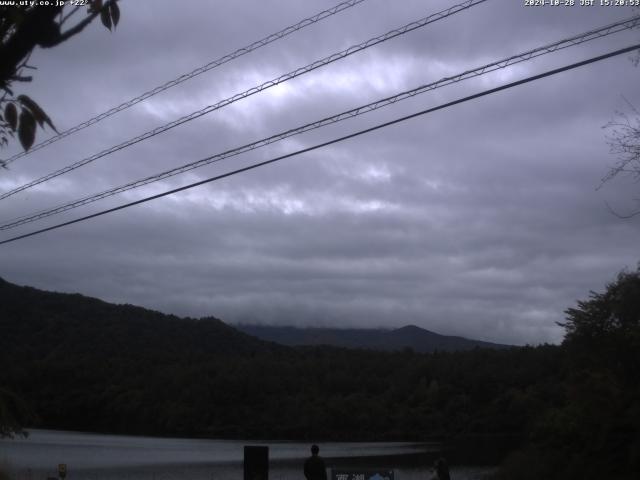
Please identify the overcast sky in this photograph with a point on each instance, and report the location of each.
(482, 220)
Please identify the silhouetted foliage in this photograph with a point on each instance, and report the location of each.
(14, 414)
(623, 138)
(614, 314)
(593, 431)
(23, 28)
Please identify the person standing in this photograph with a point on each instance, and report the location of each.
(314, 468)
(442, 469)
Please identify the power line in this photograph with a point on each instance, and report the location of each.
(252, 91)
(331, 142)
(187, 76)
(512, 60)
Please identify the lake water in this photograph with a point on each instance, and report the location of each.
(116, 457)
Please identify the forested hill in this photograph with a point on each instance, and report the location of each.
(40, 323)
(74, 321)
(83, 364)
(416, 338)
(75, 363)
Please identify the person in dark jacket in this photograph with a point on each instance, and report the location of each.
(442, 469)
(314, 468)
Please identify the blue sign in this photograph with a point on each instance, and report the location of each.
(362, 474)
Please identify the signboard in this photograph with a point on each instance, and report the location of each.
(62, 470)
(256, 463)
(362, 474)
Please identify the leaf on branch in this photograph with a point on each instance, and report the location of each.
(95, 6)
(115, 13)
(27, 129)
(21, 78)
(11, 115)
(38, 113)
(105, 16)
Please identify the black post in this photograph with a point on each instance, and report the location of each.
(256, 463)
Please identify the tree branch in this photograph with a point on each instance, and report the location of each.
(69, 15)
(20, 78)
(37, 28)
(83, 24)
(623, 217)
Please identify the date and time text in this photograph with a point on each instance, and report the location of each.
(582, 3)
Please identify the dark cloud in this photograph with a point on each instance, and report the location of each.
(480, 220)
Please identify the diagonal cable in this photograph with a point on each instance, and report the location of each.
(331, 142)
(252, 91)
(610, 29)
(187, 76)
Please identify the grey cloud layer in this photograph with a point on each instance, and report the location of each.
(481, 220)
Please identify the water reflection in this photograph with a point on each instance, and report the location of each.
(111, 457)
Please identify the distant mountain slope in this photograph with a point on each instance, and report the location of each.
(416, 338)
(38, 323)
(78, 363)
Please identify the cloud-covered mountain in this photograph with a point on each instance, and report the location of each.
(410, 336)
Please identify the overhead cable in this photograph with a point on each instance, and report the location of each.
(252, 91)
(187, 76)
(512, 60)
(331, 142)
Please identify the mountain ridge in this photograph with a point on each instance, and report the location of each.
(237, 337)
(409, 336)
(78, 363)
(60, 321)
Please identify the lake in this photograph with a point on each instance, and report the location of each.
(116, 457)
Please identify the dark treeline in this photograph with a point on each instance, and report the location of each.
(82, 364)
